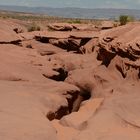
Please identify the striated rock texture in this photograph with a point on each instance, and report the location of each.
(74, 83)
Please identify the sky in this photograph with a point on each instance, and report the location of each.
(127, 4)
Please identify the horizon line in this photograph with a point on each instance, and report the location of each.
(69, 7)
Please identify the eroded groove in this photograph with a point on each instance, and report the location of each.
(62, 111)
(61, 76)
(42, 39)
(74, 104)
(84, 95)
(105, 56)
(128, 122)
(16, 42)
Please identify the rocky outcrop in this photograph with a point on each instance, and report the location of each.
(34, 95)
(78, 120)
(70, 41)
(9, 37)
(85, 27)
(9, 32)
(70, 85)
(123, 41)
(60, 27)
(90, 46)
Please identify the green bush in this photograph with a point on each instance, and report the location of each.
(33, 27)
(123, 19)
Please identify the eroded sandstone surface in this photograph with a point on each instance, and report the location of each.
(72, 83)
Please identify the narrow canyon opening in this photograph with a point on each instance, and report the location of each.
(74, 104)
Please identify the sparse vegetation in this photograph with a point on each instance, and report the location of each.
(131, 19)
(44, 20)
(40, 17)
(76, 21)
(124, 19)
(33, 27)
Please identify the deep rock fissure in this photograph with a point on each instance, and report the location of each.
(74, 104)
(105, 56)
(42, 39)
(60, 77)
(17, 42)
(84, 95)
(63, 74)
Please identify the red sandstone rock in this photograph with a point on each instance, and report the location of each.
(60, 27)
(40, 81)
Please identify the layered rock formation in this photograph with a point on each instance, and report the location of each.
(59, 85)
